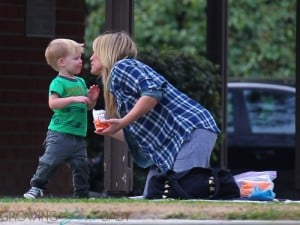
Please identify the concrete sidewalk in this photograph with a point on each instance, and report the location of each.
(149, 222)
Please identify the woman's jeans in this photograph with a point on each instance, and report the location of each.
(195, 152)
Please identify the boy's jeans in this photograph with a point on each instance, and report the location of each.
(60, 148)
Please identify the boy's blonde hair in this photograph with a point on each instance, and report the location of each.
(110, 48)
(59, 48)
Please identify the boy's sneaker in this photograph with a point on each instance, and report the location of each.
(33, 193)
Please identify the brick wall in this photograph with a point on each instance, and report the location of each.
(24, 80)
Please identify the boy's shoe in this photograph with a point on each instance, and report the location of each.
(33, 193)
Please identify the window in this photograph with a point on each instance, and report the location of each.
(40, 21)
(270, 111)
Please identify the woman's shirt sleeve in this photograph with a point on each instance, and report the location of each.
(137, 79)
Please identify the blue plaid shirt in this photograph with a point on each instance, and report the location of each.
(160, 133)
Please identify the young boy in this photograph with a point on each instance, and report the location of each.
(69, 99)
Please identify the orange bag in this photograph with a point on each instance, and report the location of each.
(247, 187)
(253, 181)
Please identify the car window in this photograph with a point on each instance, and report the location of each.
(270, 111)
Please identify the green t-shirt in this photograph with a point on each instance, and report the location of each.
(71, 119)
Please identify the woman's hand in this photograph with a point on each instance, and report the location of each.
(115, 125)
(119, 135)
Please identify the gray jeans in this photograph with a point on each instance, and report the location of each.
(194, 152)
(60, 148)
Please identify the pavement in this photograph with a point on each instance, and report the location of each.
(146, 222)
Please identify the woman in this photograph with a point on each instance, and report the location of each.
(163, 127)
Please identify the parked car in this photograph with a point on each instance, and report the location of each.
(260, 126)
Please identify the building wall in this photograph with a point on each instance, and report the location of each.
(24, 80)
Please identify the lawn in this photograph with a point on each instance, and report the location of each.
(124, 208)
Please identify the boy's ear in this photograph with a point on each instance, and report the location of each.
(60, 62)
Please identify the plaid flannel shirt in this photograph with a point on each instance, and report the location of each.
(160, 133)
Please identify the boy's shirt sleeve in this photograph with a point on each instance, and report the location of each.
(56, 87)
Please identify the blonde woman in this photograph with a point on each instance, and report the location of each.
(163, 127)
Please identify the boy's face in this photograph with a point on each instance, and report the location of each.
(72, 64)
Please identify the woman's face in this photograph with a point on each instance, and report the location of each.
(96, 65)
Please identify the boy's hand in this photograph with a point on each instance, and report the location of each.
(93, 92)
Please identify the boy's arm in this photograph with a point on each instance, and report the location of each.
(55, 102)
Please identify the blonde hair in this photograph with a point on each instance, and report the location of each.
(59, 48)
(110, 48)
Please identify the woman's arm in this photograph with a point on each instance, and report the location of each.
(119, 136)
(142, 106)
